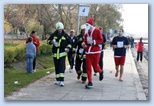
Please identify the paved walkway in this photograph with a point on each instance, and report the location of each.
(108, 89)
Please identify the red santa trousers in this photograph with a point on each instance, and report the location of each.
(92, 60)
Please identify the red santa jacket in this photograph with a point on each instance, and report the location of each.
(97, 40)
(140, 47)
(36, 42)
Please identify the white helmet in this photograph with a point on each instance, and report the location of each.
(59, 25)
(83, 26)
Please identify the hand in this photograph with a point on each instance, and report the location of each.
(125, 46)
(66, 50)
(73, 55)
(84, 45)
(52, 42)
(34, 43)
(114, 46)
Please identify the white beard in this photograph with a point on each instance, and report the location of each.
(87, 28)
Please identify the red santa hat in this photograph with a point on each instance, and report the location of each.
(91, 21)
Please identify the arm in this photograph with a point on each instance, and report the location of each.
(126, 43)
(104, 38)
(37, 42)
(68, 44)
(114, 43)
(26, 41)
(83, 44)
(50, 39)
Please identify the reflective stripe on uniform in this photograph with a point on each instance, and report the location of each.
(57, 75)
(84, 75)
(61, 75)
(55, 37)
(83, 57)
(73, 49)
(59, 55)
(58, 48)
(69, 46)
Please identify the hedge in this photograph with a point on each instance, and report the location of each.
(13, 54)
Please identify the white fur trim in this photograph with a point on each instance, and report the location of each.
(93, 52)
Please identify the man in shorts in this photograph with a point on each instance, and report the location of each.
(119, 43)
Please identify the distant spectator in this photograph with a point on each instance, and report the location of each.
(132, 42)
(71, 53)
(128, 41)
(30, 54)
(37, 44)
(140, 49)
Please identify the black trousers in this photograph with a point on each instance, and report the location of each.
(101, 61)
(60, 67)
(34, 63)
(139, 56)
(79, 71)
(132, 45)
(70, 60)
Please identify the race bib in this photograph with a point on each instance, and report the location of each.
(120, 44)
(89, 40)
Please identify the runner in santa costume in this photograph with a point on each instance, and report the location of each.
(93, 38)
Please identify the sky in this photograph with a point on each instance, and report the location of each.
(135, 19)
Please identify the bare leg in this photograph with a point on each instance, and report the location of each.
(117, 70)
(121, 72)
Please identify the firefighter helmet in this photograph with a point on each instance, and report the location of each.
(59, 25)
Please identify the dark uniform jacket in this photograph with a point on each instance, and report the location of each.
(73, 44)
(80, 52)
(63, 43)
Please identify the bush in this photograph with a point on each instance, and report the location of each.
(20, 52)
(12, 54)
(44, 49)
(9, 54)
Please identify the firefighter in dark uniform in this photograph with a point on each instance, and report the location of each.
(81, 57)
(71, 53)
(61, 46)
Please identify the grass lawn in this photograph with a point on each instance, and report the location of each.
(22, 77)
(11, 75)
(46, 61)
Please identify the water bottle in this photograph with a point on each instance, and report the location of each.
(55, 43)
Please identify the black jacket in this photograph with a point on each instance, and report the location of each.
(104, 40)
(73, 44)
(80, 39)
(63, 43)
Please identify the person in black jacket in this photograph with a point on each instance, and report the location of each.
(102, 51)
(81, 57)
(61, 46)
(71, 53)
